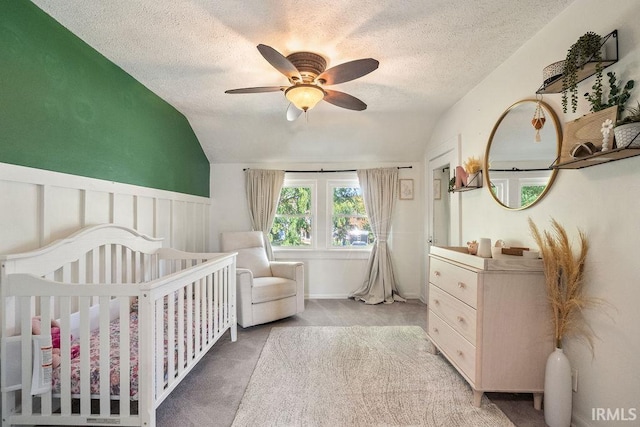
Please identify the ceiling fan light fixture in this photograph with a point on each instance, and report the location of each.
(304, 96)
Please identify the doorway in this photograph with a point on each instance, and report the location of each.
(443, 212)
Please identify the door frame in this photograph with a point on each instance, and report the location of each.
(446, 153)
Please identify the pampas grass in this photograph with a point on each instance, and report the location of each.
(564, 278)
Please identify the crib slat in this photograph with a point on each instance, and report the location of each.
(125, 351)
(128, 265)
(203, 312)
(159, 346)
(117, 264)
(27, 356)
(180, 338)
(189, 309)
(171, 338)
(107, 264)
(45, 310)
(216, 302)
(65, 356)
(105, 360)
(196, 325)
(210, 306)
(85, 396)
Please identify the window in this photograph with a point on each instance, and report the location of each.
(530, 190)
(350, 226)
(293, 223)
(321, 214)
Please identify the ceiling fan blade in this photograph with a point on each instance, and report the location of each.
(279, 62)
(293, 112)
(348, 71)
(344, 100)
(256, 89)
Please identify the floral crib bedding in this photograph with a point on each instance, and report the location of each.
(114, 357)
(94, 361)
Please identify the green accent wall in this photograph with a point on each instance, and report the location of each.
(64, 107)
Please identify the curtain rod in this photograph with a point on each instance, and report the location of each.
(331, 170)
(519, 170)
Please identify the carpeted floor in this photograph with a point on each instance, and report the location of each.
(210, 395)
(358, 376)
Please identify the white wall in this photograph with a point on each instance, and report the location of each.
(38, 207)
(329, 273)
(601, 200)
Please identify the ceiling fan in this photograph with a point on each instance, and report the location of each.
(308, 75)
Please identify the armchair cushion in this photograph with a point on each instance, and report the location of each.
(271, 288)
(251, 252)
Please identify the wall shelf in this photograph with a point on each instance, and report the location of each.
(474, 184)
(610, 57)
(599, 158)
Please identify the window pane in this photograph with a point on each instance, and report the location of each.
(294, 201)
(292, 225)
(348, 201)
(530, 193)
(291, 231)
(350, 223)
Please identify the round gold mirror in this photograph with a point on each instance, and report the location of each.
(518, 159)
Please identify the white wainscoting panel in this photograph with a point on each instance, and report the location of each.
(39, 206)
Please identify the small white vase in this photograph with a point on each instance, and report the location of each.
(557, 390)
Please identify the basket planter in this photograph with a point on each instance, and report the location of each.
(627, 135)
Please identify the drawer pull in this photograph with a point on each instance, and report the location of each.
(435, 330)
(436, 301)
(460, 319)
(461, 285)
(460, 353)
(436, 273)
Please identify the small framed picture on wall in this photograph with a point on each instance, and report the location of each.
(437, 194)
(406, 189)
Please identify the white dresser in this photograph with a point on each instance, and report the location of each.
(490, 318)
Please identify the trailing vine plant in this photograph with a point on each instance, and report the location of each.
(587, 48)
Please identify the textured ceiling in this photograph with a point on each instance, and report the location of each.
(189, 52)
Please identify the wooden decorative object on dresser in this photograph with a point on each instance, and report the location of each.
(489, 318)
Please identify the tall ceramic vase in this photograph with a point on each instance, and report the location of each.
(557, 390)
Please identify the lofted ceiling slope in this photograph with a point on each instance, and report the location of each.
(189, 52)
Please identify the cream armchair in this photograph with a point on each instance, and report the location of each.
(266, 290)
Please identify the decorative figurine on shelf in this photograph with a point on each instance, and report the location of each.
(607, 125)
(472, 246)
(461, 177)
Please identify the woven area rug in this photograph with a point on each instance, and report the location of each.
(358, 376)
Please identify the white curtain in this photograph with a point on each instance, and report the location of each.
(379, 191)
(263, 191)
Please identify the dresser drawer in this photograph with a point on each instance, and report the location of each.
(458, 281)
(458, 350)
(456, 313)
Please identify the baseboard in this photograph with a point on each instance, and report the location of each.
(346, 296)
(326, 296)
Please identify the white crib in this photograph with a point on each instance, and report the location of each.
(100, 278)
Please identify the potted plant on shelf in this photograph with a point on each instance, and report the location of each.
(472, 167)
(587, 48)
(618, 95)
(627, 130)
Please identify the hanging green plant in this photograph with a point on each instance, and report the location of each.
(587, 48)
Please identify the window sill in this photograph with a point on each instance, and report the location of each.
(303, 253)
